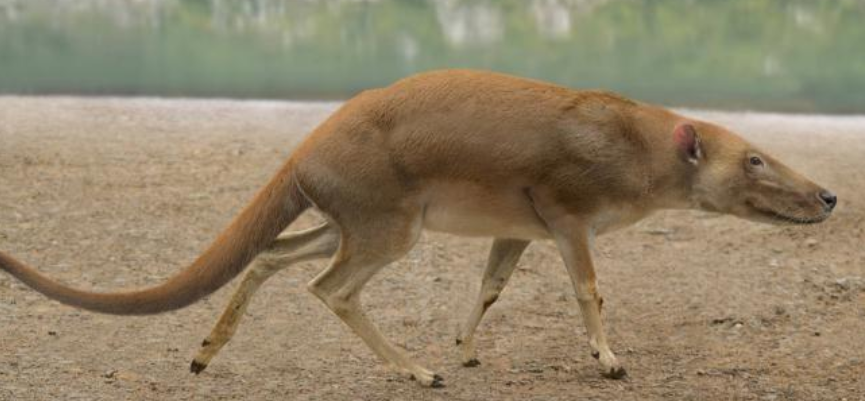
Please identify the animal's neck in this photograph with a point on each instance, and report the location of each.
(668, 180)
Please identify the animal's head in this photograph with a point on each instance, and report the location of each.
(729, 175)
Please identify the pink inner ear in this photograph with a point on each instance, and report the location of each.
(686, 137)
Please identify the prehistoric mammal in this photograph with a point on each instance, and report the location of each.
(471, 153)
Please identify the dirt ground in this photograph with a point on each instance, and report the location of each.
(121, 193)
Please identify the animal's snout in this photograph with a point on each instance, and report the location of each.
(828, 198)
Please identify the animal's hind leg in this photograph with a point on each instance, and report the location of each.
(503, 259)
(314, 243)
(364, 251)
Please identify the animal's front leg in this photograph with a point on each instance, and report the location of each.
(578, 260)
(572, 234)
(574, 246)
(503, 259)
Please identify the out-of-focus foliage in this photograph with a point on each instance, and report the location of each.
(796, 55)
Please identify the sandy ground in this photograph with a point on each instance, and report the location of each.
(121, 193)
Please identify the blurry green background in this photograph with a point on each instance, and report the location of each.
(796, 55)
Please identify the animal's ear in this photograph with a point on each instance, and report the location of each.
(688, 143)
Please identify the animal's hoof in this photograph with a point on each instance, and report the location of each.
(472, 363)
(437, 381)
(197, 367)
(596, 355)
(616, 373)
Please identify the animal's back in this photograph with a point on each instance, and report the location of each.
(449, 122)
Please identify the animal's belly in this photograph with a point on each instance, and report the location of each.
(469, 210)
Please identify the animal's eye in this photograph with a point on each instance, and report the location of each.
(756, 161)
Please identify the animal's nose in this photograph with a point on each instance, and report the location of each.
(829, 199)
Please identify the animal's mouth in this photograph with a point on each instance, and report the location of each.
(785, 218)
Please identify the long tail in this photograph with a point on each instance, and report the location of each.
(270, 212)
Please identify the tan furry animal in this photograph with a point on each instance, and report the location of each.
(478, 154)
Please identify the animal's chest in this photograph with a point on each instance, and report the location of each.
(615, 217)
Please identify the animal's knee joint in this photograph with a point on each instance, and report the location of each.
(340, 304)
(316, 289)
(588, 292)
(490, 299)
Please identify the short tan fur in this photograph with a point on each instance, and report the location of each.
(470, 153)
